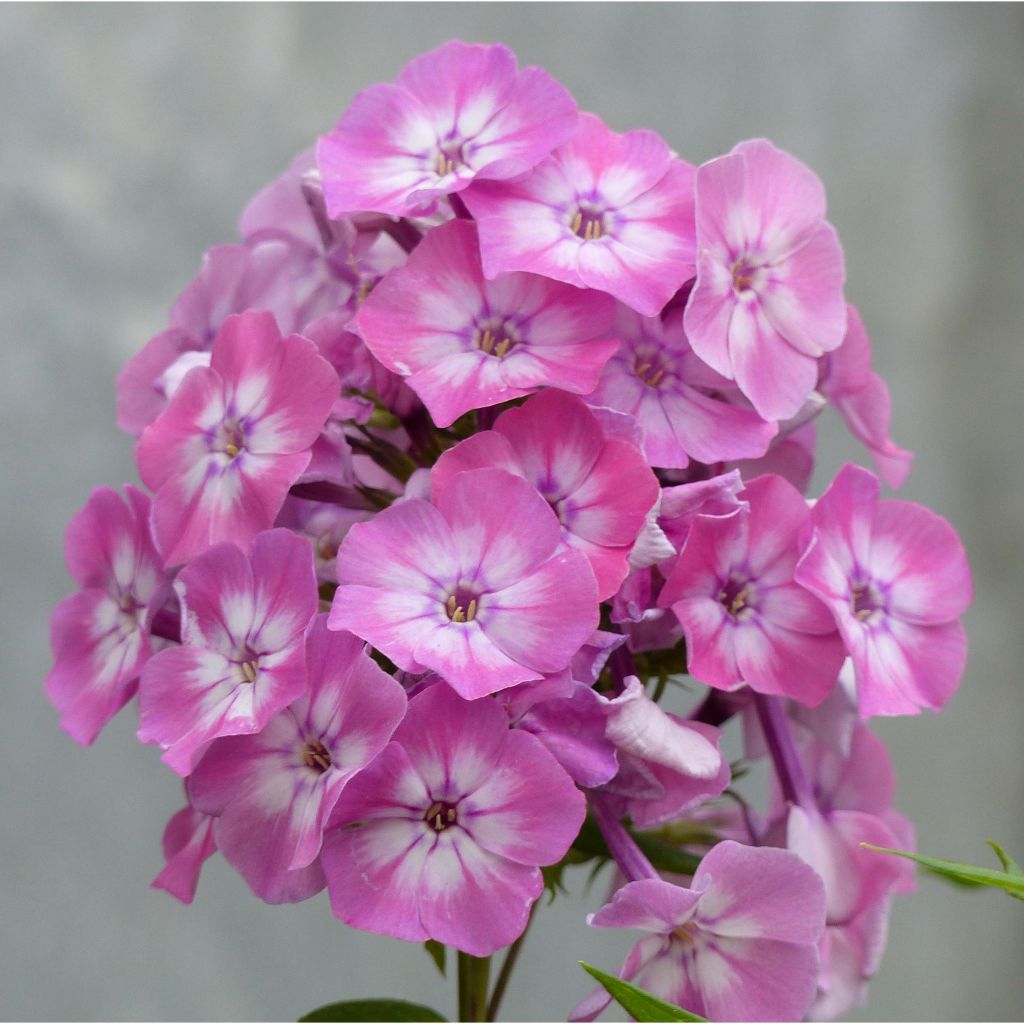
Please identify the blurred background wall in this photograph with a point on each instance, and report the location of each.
(131, 138)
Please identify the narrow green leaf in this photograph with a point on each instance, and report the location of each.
(374, 1010)
(967, 874)
(438, 952)
(636, 1002)
(1010, 866)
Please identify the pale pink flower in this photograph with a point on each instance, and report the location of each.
(242, 659)
(605, 211)
(236, 435)
(895, 577)
(452, 821)
(477, 586)
(458, 113)
(462, 342)
(768, 301)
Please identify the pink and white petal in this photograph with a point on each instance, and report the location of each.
(543, 620)
(651, 905)
(97, 659)
(759, 892)
(610, 565)
(486, 450)
(389, 788)
(792, 607)
(407, 547)
(843, 519)
(906, 667)
(573, 368)
(714, 547)
(285, 589)
(527, 809)
(804, 297)
(188, 841)
(710, 643)
(140, 399)
(469, 660)
(395, 622)
(778, 516)
(775, 376)
(557, 440)
(216, 594)
(374, 875)
(709, 313)
(553, 314)
(454, 744)
(776, 660)
(377, 155)
(727, 219)
(472, 899)
(756, 979)
(459, 383)
(710, 430)
(502, 529)
(643, 279)
(921, 555)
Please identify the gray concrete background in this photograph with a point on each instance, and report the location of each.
(131, 137)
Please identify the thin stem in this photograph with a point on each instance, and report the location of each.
(796, 787)
(506, 969)
(473, 975)
(621, 845)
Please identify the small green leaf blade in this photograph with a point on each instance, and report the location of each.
(966, 874)
(438, 952)
(1010, 866)
(636, 1002)
(397, 1010)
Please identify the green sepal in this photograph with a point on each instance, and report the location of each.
(373, 1010)
(1010, 881)
(438, 952)
(636, 1002)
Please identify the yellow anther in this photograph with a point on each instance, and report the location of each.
(641, 370)
(683, 933)
(502, 347)
(487, 341)
(249, 671)
(471, 610)
(459, 615)
(231, 448)
(655, 378)
(577, 221)
(451, 606)
(864, 614)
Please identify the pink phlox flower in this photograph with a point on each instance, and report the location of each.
(101, 635)
(666, 765)
(768, 301)
(605, 211)
(273, 792)
(237, 434)
(745, 619)
(568, 717)
(188, 842)
(242, 658)
(463, 342)
(862, 399)
(676, 399)
(231, 279)
(600, 489)
(740, 944)
(453, 819)
(896, 579)
(454, 115)
(477, 586)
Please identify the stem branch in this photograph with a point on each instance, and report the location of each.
(473, 976)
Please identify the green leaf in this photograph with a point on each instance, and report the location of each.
(1010, 866)
(438, 952)
(638, 1003)
(374, 1010)
(966, 874)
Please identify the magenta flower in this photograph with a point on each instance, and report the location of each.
(605, 211)
(188, 843)
(655, 377)
(769, 294)
(242, 658)
(452, 821)
(100, 636)
(477, 586)
(273, 792)
(741, 944)
(601, 489)
(745, 619)
(862, 399)
(895, 577)
(235, 437)
(464, 343)
(458, 113)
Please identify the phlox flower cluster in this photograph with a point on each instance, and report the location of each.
(494, 422)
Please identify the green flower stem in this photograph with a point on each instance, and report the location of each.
(506, 970)
(474, 972)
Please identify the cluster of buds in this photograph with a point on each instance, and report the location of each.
(494, 422)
